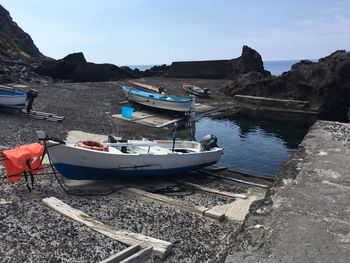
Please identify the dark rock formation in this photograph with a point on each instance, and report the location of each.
(325, 84)
(18, 54)
(211, 69)
(74, 67)
(249, 61)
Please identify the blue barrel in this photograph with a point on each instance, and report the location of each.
(127, 112)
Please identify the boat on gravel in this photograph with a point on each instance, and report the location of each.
(12, 98)
(197, 91)
(156, 100)
(92, 160)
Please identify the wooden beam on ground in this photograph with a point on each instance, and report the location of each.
(160, 248)
(233, 179)
(214, 191)
(173, 202)
(169, 122)
(131, 254)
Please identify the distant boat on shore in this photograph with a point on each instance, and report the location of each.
(11, 98)
(200, 92)
(156, 100)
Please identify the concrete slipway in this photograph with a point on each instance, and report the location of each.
(306, 214)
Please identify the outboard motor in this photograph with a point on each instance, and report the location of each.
(31, 95)
(208, 142)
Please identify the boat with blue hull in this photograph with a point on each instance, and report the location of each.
(11, 98)
(161, 101)
(81, 161)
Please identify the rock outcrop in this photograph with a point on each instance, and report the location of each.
(249, 61)
(74, 67)
(325, 84)
(18, 53)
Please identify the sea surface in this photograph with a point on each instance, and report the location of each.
(276, 67)
(258, 146)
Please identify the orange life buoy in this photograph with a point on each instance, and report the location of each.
(93, 145)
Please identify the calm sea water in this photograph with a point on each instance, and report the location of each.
(276, 67)
(256, 145)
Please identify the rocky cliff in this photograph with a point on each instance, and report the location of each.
(326, 84)
(18, 53)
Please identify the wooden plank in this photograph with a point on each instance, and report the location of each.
(233, 179)
(214, 191)
(160, 248)
(173, 202)
(139, 257)
(169, 122)
(122, 255)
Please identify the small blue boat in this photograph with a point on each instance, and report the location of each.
(156, 100)
(11, 98)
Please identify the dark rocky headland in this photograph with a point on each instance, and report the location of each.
(303, 218)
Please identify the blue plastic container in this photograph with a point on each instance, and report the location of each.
(127, 112)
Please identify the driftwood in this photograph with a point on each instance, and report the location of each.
(160, 248)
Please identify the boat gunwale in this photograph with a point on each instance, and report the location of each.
(71, 145)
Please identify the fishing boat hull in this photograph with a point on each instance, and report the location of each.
(84, 164)
(12, 99)
(173, 103)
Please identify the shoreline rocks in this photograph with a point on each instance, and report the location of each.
(325, 84)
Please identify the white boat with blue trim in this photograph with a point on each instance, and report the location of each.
(156, 100)
(11, 98)
(87, 160)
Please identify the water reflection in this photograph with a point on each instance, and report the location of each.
(256, 145)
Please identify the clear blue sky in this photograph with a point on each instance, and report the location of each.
(136, 32)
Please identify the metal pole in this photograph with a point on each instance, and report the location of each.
(174, 136)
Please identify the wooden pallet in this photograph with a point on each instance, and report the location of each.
(133, 254)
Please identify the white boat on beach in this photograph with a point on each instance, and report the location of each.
(151, 99)
(87, 160)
